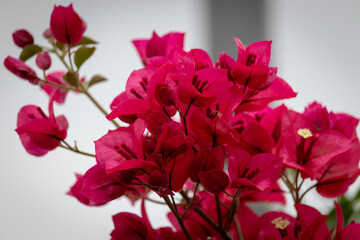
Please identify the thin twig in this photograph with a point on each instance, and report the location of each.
(85, 91)
(238, 228)
(313, 186)
(233, 208)
(68, 147)
(208, 219)
(178, 218)
(191, 201)
(218, 210)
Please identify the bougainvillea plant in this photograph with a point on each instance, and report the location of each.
(197, 130)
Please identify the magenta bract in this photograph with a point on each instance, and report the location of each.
(40, 133)
(20, 69)
(159, 46)
(22, 38)
(66, 26)
(58, 93)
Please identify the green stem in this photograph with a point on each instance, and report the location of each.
(69, 55)
(302, 196)
(85, 91)
(146, 198)
(218, 210)
(288, 183)
(83, 88)
(68, 147)
(62, 87)
(232, 210)
(174, 204)
(59, 56)
(297, 189)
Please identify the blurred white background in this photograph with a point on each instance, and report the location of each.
(315, 45)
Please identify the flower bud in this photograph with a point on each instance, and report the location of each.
(66, 26)
(20, 69)
(47, 34)
(22, 38)
(43, 60)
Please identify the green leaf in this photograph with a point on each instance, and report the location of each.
(60, 46)
(29, 51)
(96, 79)
(85, 41)
(82, 54)
(71, 78)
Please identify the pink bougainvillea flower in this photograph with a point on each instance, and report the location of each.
(206, 160)
(257, 83)
(210, 129)
(159, 46)
(145, 98)
(43, 60)
(66, 26)
(162, 161)
(259, 171)
(116, 147)
(161, 92)
(272, 225)
(251, 69)
(40, 133)
(22, 38)
(197, 81)
(344, 168)
(206, 85)
(173, 154)
(20, 69)
(100, 187)
(129, 226)
(127, 108)
(137, 83)
(201, 59)
(306, 142)
(312, 223)
(246, 126)
(215, 181)
(351, 231)
(59, 94)
(76, 191)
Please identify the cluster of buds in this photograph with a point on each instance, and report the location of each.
(197, 130)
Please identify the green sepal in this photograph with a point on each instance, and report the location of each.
(29, 51)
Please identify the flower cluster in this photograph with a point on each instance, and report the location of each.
(199, 130)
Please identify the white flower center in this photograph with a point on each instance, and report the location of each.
(280, 223)
(305, 132)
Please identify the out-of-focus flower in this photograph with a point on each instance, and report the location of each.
(66, 26)
(22, 38)
(20, 69)
(159, 46)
